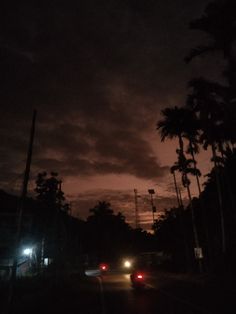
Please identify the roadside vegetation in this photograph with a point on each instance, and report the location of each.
(205, 121)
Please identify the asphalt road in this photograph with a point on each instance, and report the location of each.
(164, 295)
(112, 293)
(120, 297)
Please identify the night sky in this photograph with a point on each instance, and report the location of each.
(98, 73)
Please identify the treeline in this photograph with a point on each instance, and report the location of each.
(174, 229)
(205, 121)
(66, 241)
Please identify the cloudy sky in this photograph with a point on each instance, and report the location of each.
(98, 73)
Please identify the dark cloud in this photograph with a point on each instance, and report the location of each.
(76, 49)
(98, 73)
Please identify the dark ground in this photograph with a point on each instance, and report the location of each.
(111, 293)
(72, 293)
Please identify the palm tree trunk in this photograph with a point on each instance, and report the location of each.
(176, 189)
(227, 179)
(193, 157)
(195, 233)
(181, 143)
(219, 194)
(180, 197)
(204, 217)
(182, 227)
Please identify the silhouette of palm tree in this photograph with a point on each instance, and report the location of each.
(185, 167)
(207, 101)
(218, 22)
(182, 123)
(176, 123)
(173, 124)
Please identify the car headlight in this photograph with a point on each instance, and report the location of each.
(127, 264)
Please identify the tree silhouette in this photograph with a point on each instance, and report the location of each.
(207, 100)
(107, 233)
(218, 22)
(49, 192)
(173, 124)
(52, 216)
(208, 119)
(102, 209)
(177, 123)
(185, 167)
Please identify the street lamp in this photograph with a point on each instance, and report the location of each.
(127, 263)
(28, 251)
(151, 192)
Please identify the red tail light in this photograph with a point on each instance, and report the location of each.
(103, 266)
(139, 276)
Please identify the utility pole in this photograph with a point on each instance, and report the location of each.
(20, 210)
(136, 207)
(152, 192)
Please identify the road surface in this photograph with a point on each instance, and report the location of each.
(112, 293)
(163, 295)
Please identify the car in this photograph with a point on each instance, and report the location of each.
(145, 267)
(138, 279)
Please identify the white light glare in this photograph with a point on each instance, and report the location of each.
(27, 251)
(127, 264)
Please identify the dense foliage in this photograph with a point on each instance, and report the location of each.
(207, 120)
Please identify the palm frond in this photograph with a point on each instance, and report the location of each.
(198, 51)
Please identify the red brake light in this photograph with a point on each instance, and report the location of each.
(103, 266)
(139, 276)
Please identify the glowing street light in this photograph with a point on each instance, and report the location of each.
(28, 251)
(127, 264)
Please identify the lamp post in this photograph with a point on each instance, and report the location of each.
(151, 192)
